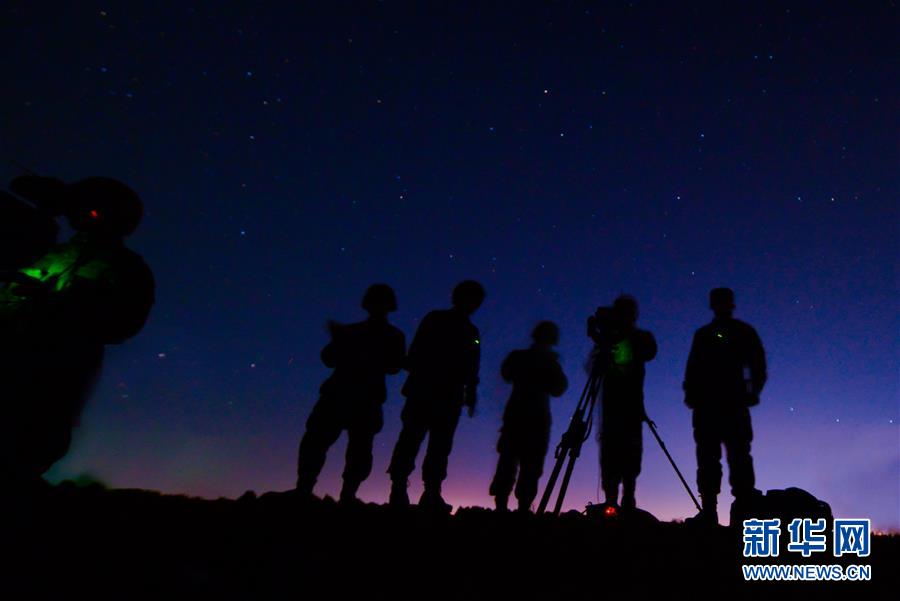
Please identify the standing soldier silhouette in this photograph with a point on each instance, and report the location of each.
(351, 399)
(726, 372)
(536, 375)
(624, 349)
(58, 314)
(443, 364)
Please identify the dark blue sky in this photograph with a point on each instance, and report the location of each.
(289, 156)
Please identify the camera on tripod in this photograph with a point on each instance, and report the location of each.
(605, 327)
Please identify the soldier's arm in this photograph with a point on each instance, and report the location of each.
(472, 369)
(508, 368)
(329, 355)
(758, 371)
(646, 346)
(420, 340)
(691, 372)
(396, 355)
(559, 382)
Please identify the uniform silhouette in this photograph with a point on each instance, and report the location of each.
(726, 372)
(56, 316)
(443, 364)
(351, 399)
(624, 349)
(536, 375)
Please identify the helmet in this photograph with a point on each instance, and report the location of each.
(102, 204)
(379, 298)
(626, 309)
(546, 332)
(468, 295)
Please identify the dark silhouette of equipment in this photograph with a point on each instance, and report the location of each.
(569, 447)
(602, 328)
(662, 445)
(579, 430)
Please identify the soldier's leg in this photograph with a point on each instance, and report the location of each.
(358, 459)
(633, 449)
(323, 427)
(709, 454)
(738, 437)
(507, 464)
(415, 426)
(610, 475)
(440, 443)
(611, 456)
(533, 452)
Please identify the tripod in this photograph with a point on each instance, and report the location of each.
(672, 461)
(580, 427)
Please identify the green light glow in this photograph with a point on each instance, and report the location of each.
(622, 353)
(56, 267)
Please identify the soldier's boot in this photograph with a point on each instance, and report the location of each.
(399, 498)
(612, 495)
(432, 500)
(628, 501)
(304, 487)
(348, 493)
(525, 505)
(709, 514)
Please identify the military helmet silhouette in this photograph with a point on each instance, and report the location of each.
(721, 301)
(103, 205)
(546, 332)
(468, 295)
(626, 308)
(719, 296)
(379, 298)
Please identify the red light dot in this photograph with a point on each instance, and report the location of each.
(610, 511)
(94, 214)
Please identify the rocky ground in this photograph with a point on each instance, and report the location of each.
(131, 543)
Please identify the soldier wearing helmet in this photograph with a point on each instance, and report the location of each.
(624, 349)
(726, 372)
(536, 375)
(351, 399)
(443, 365)
(58, 314)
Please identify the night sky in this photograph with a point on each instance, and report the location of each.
(288, 156)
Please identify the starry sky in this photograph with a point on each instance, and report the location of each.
(289, 154)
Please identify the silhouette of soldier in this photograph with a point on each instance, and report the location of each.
(726, 371)
(623, 349)
(58, 314)
(536, 375)
(443, 364)
(351, 399)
